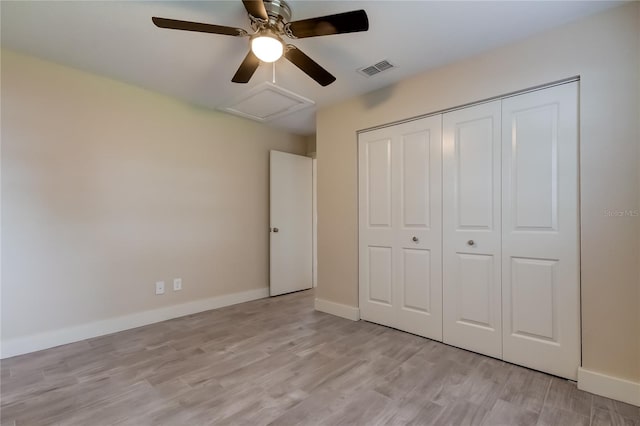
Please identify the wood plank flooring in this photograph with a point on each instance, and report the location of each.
(277, 361)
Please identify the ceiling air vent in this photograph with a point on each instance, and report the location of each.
(372, 70)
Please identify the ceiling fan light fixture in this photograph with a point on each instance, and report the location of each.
(267, 47)
(270, 19)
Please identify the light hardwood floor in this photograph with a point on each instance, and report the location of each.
(277, 361)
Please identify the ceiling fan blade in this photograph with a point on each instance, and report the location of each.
(348, 22)
(248, 66)
(175, 24)
(256, 9)
(308, 66)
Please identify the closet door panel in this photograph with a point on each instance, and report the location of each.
(419, 228)
(471, 229)
(380, 275)
(378, 183)
(416, 291)
(376, 240)
(534, 308)
(541, 289)
(415, 178)
(475, 275)
(474, 180)
(400, 242)
(533, 164)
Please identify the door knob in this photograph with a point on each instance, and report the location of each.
(470, 242)
(414, 239)
(275, 229)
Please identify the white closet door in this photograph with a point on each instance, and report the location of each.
(471, 229)
(400, 226)
(375, 227)
(418, 220)
(540, 266)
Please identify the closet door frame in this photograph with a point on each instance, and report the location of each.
(505, 274)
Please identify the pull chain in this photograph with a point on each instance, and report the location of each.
(273, 80)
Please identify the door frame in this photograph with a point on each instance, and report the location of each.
(543, 86)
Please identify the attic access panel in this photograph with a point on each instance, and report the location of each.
(266, 102)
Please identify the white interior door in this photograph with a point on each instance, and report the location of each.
(400, 226)
(290, 223)
(540, 262)
(471, 229)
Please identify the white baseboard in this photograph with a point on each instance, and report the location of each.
(36, 342)
(609, 386)
(338, 309)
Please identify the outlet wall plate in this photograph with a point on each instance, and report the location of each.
(159, 287)
(177, 284)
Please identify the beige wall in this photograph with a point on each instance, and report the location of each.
(311, 145)
(604, 50)
(107, 188)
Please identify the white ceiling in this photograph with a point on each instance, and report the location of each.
(117, 39)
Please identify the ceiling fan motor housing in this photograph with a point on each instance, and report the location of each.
(278, 11)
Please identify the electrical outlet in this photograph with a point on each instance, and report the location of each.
(177, 284)
(159, 287)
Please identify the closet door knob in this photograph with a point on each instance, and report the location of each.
(470, 242)
(414, 239)
(275, 230)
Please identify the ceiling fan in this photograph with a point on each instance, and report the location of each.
(270, 23)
